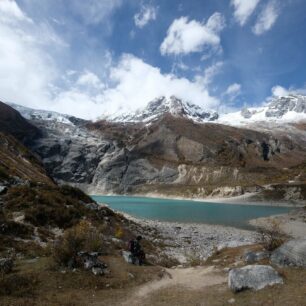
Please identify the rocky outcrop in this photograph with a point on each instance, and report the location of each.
(291, 253)
(253, 277)
(292, 103)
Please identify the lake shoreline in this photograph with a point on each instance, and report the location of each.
(238, 200)
(189, 241)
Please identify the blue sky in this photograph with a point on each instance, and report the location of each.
(95, 57)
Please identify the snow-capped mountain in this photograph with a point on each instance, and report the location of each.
(291, 108)
(161, 106)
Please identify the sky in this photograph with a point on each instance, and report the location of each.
(98, 57)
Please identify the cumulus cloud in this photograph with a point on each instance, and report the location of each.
(146, 14)
(279, 91)
(31, 77)
(26, 71)
(243, 9)
(266, 18)
(233, 91)
(138, 83)
(185, 36)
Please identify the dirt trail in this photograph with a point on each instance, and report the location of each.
(195, 278)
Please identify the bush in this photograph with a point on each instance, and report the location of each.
(272, 236)
(82, 237)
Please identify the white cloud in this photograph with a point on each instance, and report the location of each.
(186, 36)
(266, 18)
(146, 14)
(233, 91)
(25, 70)
(279, 91)
(89, 79)
(10, 12)
(243, 9)
(94, 11)
(209, 74)
(138, 83)
(29, 76)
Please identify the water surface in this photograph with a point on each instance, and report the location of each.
(187, 211)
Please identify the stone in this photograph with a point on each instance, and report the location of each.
(253, 277)
(253, 257)
(90, 260)
(97, 271)
(6, 265)
(127, 256)
(291, 253)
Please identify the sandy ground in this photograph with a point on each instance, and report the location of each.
(196, 278)
(293, 224)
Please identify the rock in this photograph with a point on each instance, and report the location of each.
(3, 189)
(231, 301)
(91, 262)
(127, 256)
(252, 257)
(6, 265)
(253, 277)
(291, 253)
(246, 113)
(97, 271)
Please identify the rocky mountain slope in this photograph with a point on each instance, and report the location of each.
(161, 106)
(168, 150)
(291, 108)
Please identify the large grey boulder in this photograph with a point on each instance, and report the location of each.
(291, 253)
(253, 277)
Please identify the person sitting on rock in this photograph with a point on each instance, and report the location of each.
(137, 253)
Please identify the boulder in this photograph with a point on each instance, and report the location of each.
(253, 257)
(91, 261)
(291, 253)
(253, 277)
(6, 265)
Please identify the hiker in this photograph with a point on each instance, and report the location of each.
(136, 251)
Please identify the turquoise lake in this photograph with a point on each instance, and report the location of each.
(189, 211)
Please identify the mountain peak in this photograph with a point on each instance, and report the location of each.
(163, 105)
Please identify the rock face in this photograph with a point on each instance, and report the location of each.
(11, 122)
(291, 253)
(292, 103)
(253, 277)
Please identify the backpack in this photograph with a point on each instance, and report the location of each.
(131, 246)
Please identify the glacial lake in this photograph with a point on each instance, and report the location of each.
(186, 211)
